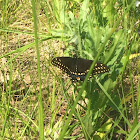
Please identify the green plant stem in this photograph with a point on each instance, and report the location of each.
(41, 121)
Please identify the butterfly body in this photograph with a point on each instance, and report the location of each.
(77, 68)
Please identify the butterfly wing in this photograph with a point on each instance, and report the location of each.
(66, 64)
(100, 68)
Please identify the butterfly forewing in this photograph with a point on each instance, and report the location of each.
(66, 64)
(100, 68)
(83, 65)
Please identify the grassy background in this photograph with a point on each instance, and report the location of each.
(37, 101)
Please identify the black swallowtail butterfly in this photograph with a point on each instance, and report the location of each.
(77, 68)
